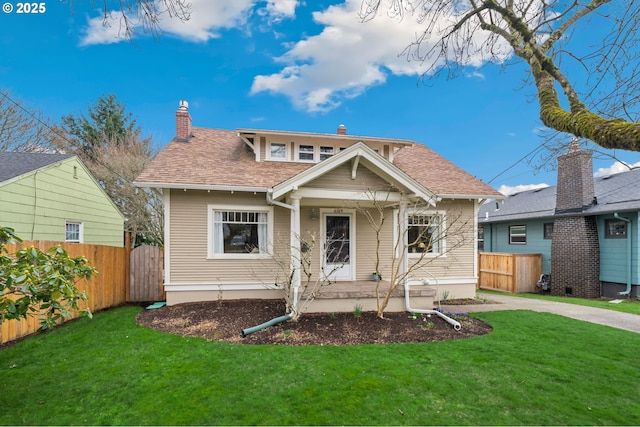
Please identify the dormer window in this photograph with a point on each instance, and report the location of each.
(325, 152)
(305, 152)
(278, 151)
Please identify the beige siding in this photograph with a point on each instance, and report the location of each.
(340, 178)
(366, 243)
(189, 233)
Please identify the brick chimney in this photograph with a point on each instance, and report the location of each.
(183, 122)
(342, 130)
(575, 247)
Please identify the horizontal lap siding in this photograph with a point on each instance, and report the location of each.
(340, 179)
(189, 233)
(366, 244)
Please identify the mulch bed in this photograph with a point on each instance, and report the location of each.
(225, 320)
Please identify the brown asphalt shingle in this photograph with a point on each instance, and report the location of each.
(215, 157)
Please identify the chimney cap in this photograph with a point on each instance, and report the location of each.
(342, 130)
(184, 105)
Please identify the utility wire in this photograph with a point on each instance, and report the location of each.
(539, 147)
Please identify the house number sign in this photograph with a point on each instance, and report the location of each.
(337, 211)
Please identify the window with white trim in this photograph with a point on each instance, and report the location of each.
(278, 151)
(325, 152)
(238, 232)
(517, 234)
(306, 152)
(425, 233)
(73, 232)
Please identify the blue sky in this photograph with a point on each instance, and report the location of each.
(277, 64)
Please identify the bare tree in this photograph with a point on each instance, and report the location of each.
(116, 166)
(22, 130)
(418, 230)
(294, 265)
(602, 102)
(140, 13)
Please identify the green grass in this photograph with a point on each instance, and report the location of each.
(534, 368)
(626, 306)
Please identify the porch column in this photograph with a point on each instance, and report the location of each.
(404, 241)
(296, 251)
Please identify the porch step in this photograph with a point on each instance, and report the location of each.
(367, 289)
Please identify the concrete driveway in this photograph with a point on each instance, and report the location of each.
(626, 321)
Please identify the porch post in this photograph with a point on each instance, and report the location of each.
(404, 242)
(295, 249)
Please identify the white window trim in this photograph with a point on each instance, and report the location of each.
(80, 231)
(278, 159)
(242, 208)
(442, 243)
(315, 154)
(333, 152)
(511, 242)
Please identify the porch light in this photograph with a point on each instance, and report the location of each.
(314, 213)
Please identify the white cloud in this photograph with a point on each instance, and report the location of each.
(99, 31)
(509, 190)
(615, 168)
(348, 57)
(206, 20)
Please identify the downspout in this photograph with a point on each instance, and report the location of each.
(456, 325)
(295, 263)
(629, 266)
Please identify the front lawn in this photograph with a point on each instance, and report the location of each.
(534, 368)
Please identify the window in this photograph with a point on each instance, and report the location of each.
(73, 232)
(518, 235)
(424, 233)
(548, 230)
(325, 153)
(480, 238)
(278, 151)
(238, 232)
(615, 229)
(305, 152)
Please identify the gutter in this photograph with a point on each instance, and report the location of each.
(629, 266)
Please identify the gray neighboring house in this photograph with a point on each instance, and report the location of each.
(54, 197)
(585, 228)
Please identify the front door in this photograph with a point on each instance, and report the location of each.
(337, 247)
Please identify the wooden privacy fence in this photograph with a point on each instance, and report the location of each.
(106, 289)
(146, 277)
(512, 273)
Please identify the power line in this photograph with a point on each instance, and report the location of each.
(540, 146)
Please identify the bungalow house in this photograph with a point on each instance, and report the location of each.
(55, 197)
(242, 205)
(586, 229)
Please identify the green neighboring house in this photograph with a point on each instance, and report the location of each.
(55, 197)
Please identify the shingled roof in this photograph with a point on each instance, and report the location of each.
(219, 158)
(13, 165)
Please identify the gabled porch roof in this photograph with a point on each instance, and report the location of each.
(355, 155)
